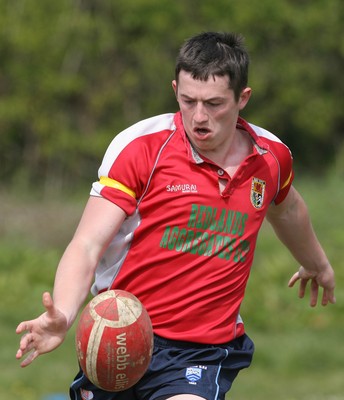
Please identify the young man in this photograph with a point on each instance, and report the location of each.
(174, 219)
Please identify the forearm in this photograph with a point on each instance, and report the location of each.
(73, 279)
(294, 228)
(100, 222)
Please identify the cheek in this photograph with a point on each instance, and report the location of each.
(186, 114)
(221, 116)
(226, 115)
(186, 118)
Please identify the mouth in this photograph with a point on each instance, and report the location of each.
(201, 131)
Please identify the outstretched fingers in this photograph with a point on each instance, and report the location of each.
(314, 293)
(31, 341)
(324, 280)
(26, 345)
(293, 279)
(303, 284)
(26, 340)
(328, 297)
(31, 351)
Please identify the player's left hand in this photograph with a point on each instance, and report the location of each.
(324, 279)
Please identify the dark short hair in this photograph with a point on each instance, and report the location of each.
(215, 54)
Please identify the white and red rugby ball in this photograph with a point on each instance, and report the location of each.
(114, 340)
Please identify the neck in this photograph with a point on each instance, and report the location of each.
(230, 154)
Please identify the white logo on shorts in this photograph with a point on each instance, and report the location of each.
(86, 394)
(193, 374)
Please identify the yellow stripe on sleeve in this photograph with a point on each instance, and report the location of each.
(106, 181)
(287, 181)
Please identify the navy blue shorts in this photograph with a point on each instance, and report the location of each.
(179, 368)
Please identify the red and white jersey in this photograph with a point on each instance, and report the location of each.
(185, 249)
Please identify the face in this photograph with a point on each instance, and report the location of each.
(209, 110)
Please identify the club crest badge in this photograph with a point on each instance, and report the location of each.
(86, 395)
(193, 374)
(257, 192)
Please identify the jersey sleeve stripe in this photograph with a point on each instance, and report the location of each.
(106, 181)
(288, 180)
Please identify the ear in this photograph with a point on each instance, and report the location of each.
(244, 97)
(175, 87)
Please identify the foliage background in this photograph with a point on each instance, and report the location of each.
(75, 72)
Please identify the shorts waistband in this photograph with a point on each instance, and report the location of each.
(168, 343)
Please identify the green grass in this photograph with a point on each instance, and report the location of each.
(299, 350)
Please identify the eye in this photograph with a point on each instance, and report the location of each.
(188, 102)
(213, 104)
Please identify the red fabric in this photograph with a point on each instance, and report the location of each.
(189, 254)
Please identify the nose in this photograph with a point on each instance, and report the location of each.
(200, 114)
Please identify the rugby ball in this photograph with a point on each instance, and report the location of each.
(114, 340)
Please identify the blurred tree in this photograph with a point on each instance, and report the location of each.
(297, 57)
(74, 73)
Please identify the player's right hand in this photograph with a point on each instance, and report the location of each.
(43, 334)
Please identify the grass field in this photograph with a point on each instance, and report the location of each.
(299, 350)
